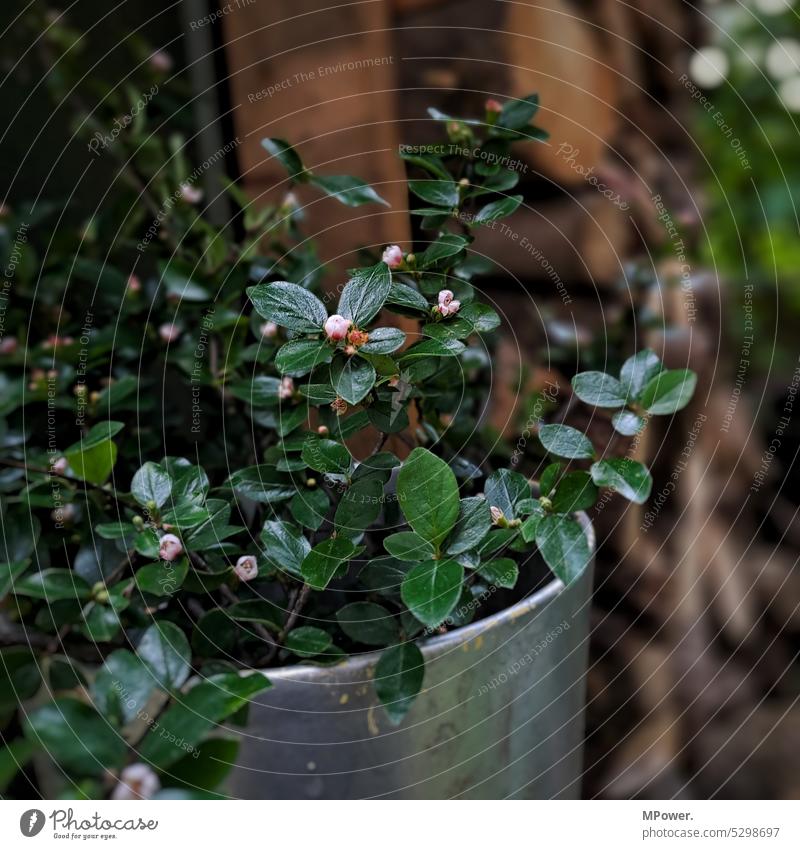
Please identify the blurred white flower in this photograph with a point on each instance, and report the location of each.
(772, 7)
(789, 93)
(782, 59)
(709, 66)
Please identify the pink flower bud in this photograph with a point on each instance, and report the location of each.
(268, 330)
(497, 515)
(136, 781)
(322, 430)
(134, 284)
(246, 568)
(161, 61)
(449, 309)
(445, 297)
(493, 105)
(290, 201)
(191, 194)
(287, 389)
(9, 345)
(169, 332)
(59, 466)
(393, 256)
(64, 515)
(336, 327)
(170, 548)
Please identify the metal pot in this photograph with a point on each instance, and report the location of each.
(500, 715)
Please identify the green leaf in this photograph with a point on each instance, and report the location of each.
(211, 531)
(13, 758)
(263, 484)
(565, 441)
(549, 478)
(531, 524)
(365, 293)
(427, 491)
(93, 458)
(398, 679)
(409, 299)
(186, 515)
(100, 623)
(326, 455)
(599, 389)
(474, 522)
(384, 340)
(165, 651)
(445, 247)
(638, 371)
(258, 610)
(151, 483)
(9, 572)
(564, 547)
(481, 316)
(368, 623)
(408, 546)
(575, 491)
(287, 156)
(53, 585)
(437, 192)
(122, 686)
(289, 305)
(348, 190)
(428, 162)
(77, 737)
(352, 378)
(20, 677)
(323, 561)
(300, 356)
(206, 767)
(199, 711)
(502, 572)
(359, 507)
(504, 489)
(497, 209)
(285, 547)
(261, 391)
(162, 579)
(668, 392)
(627, 423)
(309, 507)
(432, 348)
(308, 641)
(628, 477)
(431, 590)
(517, 114)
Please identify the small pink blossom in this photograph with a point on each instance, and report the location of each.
(322, 430)
(64, 515)
(268, 330)
(9, 345)
(497, 515)
(246, 568)
(161, 61)
(136, 781)
(170, 547)
(287, 389)
(59, 466)
(134, 284)
(393, 256)
(337, 327)
(447, 305)
(493, 105)
(191, 194)
(169, 332)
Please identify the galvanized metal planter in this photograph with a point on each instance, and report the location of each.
(501, 716)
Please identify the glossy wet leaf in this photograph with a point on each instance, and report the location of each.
(323, 561)
(566, 441)
(165, 651)
(431, 590)
(564, 546)
(365, 293)
(307, 641)
(398, 679)
(629, 478)
(599, 389)
(427, 492)
(668, 392)
(289, 305)
(408, 546)
(352, 378)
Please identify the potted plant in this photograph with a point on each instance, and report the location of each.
(214, 578)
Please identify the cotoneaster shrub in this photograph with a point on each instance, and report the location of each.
(181, 510)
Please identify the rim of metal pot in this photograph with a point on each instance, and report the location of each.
(452, 638)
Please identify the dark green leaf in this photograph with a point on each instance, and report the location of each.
(398, 679)
(348, 190)
(575, 491)
(9, 572)
(474, 522)
(445, 247)
(263, 484)
(326, 455)
(285, 547)
(352, 378)
(427, 492)
(165, 651)
(384, 340)
(408, 546)
(497, 209)
(287, 156)
(122, 686)
(289, 305)
(565, 441)
(638, 371)
(502, 572)
(368, 623)
(517, 114)
(53, 585)
(365, 293)
(431, 590)
(564, 546)
(359, 507)
(437, 192)
(599, 389)
(322, 562)
(504, 489)
(628, 477)
(408, 298)
(307, 641)
(162, 579)
(668, 392)
(309, 507)
(151, 483)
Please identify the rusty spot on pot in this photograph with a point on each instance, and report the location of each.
(372, 723)
(343, 699)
